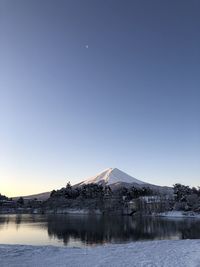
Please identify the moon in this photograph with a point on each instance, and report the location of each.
(86, 46)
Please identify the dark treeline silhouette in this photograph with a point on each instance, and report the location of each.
(186, 198)
(89, 191)
(94, 197)
(103, 198)
(2, 197)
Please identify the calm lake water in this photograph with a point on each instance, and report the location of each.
(83, 230)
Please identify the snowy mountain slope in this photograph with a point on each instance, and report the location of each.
(116, 178)
(112, 176)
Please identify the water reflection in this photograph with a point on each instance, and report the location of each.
(3, 221)
(98, 230)
(91, 230)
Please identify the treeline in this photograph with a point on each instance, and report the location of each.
(92, 191)
(104, 197)
(134, 192)
(2, 197)
(85, 191)
(95, 196)
(186, 198)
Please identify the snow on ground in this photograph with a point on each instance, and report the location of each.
(179, 214)
(181, 253)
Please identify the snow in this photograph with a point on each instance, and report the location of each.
(179, 214)
(184, 253)
(74, 211)
(111, 176)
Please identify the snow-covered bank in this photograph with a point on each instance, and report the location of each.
(179, 214)
(74, 211)
(184, 253)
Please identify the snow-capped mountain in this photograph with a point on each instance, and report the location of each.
(112, 176)
(116, 178)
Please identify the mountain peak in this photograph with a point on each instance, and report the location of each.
(112, 176)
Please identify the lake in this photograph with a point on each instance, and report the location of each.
(86, 230)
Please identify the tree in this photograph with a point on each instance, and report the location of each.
(68, 186)
(20, 201)
(193, 201)
(53, 193)
(181, 192)
(2, 197)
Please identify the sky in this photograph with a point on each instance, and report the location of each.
(89, 85)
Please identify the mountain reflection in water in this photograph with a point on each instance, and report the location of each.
(91, 230)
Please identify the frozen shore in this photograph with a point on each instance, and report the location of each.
(184, 253)
(179, 214)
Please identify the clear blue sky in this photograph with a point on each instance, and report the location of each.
(88, 85)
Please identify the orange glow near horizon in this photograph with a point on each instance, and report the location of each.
(14, 187)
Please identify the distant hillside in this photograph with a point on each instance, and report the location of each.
(41, 196)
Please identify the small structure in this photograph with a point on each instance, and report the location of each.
(147, 204)
(151, 204)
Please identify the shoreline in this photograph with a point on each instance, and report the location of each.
(166, 214)
(178, 214)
